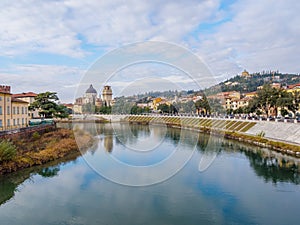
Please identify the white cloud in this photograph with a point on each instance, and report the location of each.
(260, 36)
(253, 36)
(55, 26)
(41, 78)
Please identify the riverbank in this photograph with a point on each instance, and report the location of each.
(39, 149)
(231, 129)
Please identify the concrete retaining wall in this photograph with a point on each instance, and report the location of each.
(289, 132)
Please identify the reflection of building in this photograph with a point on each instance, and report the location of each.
(107, 95)
(13, 111)
(108, 143)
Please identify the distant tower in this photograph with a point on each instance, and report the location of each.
(91, 95)
(107, 95)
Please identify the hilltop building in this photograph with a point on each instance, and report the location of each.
(13, 111)
(246, 74)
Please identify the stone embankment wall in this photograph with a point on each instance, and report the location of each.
(27, 131)
(288, 132)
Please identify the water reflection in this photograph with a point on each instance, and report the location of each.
(230, 192)
(271, 166)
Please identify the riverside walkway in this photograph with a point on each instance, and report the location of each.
(283, 131)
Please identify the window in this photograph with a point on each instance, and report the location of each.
(0, 98)
(8, 110)
(0, 123)
(22, 110)
(0, 110)
(14, 110)
(25, 110)
(14, 122)
(22, 121)
(18, 121)
(18, 110)
(8, 122)
(8, 99)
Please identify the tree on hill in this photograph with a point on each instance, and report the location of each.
(46, 104)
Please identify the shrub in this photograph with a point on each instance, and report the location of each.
(36, 135)
(261, 134)
(7, 150)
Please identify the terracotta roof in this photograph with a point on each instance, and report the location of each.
(293, 86)
(23, 95)
(18, 100)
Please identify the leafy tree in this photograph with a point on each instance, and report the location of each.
(165, 108)
(216, 106)
(105, 109)
(89, 108)
(203, 106)
(265, 100)
(62, 112)
(46, 104)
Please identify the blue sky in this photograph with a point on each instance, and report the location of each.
(51, 45)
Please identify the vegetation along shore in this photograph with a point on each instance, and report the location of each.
(17, 153)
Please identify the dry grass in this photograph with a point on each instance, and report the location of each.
(50, 146)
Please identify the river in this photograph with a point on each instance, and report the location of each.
(156, 175)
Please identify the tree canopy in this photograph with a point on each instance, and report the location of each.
(46, 104)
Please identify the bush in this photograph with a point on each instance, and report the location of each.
(261, 134)
(7, 150)
(36, 135)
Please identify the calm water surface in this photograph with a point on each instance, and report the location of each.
(243, 185)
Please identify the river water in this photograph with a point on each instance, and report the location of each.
(156, 175)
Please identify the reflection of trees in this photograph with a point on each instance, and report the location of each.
(129, 133)
(8, 188)
(9, 183)
(274, 167)
(49, 171)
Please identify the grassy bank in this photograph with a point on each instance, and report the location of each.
(40, 149)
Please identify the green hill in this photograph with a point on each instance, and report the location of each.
(249, 84)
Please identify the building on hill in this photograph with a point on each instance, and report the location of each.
(13, 111)
(293, 87)
(245, 74)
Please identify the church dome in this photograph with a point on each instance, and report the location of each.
(91, 90)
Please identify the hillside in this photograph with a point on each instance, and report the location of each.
(250, 83)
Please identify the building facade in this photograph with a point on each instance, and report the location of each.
(90, 101)
(13, 111)
(107, 95)
(30, 98)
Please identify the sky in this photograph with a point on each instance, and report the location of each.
(52, 45)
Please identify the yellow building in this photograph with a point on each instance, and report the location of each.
(245, 74)
(13, 112)
(30, 98)
(293, 88)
